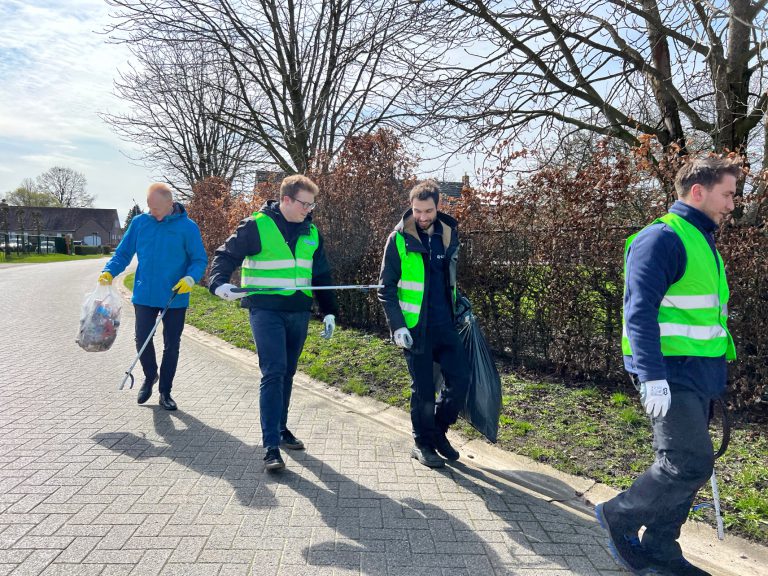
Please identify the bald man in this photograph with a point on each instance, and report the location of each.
(171, 257)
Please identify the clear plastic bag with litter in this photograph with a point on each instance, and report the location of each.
(99, 319)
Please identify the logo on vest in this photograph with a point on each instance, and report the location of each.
(310, 242)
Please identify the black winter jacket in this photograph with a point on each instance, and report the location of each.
(391, 272)
(246, 242)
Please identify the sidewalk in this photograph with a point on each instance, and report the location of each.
(91, 483)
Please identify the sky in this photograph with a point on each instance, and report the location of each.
(56, 75)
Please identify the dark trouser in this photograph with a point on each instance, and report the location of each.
(279, 337)
(173, 325)
(662, 496)
(430, 417)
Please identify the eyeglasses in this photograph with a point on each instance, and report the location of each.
(306, 205)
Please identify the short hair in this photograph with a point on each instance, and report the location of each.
(162, 188)
(704, 171)
(425, 190)
(292, 185)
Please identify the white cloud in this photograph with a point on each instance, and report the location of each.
(56, 75)
(56, 69)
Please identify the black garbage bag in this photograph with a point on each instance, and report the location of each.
(483, 403)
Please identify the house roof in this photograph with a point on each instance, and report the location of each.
(452, 189)
(63, 219)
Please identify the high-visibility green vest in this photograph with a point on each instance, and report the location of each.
(410, 288)
(276, 265)
(694, 312)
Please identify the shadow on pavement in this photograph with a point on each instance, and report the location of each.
(368, 530)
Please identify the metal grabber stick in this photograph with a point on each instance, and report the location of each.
(713, 479)
(128, 373)
(362, 287)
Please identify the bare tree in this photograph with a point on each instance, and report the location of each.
(177, 94)
(66, 186)
(689, 72)
(307, 73)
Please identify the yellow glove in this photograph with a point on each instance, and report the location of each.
(184, 286)
(105, 278)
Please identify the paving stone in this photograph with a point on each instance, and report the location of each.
(91, 483)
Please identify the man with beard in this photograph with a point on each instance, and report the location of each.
(418, 273)
(278, 246)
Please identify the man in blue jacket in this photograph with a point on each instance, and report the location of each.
(278, 247)
(676, 344)
(171, 257)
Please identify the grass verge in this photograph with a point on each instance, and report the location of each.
(583, 430)
(44, 258)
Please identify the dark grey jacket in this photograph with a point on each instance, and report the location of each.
(391, 272)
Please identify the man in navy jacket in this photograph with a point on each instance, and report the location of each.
(676, 345)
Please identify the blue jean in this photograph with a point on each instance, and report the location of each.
(279, 337)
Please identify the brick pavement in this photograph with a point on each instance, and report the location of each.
(93, 484)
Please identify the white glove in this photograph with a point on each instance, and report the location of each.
(403, 338)
(329, 325)
(656, 397)
(225, 292)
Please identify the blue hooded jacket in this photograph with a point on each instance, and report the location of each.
(167, 251)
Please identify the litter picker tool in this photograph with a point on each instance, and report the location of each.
(713, 479)
(128, 373)
(361, 287)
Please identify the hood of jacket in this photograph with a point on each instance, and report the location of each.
(407, 227)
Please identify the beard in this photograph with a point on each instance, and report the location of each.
(425, 225)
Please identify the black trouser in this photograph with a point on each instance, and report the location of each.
(173, 324)
(428, 417)
(661, 497)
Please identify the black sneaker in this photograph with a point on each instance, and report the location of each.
(273, 460)
(625, 548)
(445, 449)
(289, 441)
(427, 456)
(146, 389)
(677, 567)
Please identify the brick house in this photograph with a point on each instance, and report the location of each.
(89, 226)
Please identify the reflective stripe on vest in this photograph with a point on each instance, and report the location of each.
(693, 313)
(410, 289)
(275, 265)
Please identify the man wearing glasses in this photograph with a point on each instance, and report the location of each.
(278, 247)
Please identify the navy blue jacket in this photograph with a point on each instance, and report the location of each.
(655, 261)
(440, 311)
(391, 273)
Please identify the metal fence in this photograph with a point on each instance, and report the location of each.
(18, 244)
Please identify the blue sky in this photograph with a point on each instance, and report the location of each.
(56, 74)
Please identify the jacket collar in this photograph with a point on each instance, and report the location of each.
(694, 216)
